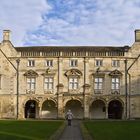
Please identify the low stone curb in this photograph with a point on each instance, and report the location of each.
(58, 133)
(85, 133)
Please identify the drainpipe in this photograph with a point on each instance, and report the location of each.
(126, 92)
(129, 96)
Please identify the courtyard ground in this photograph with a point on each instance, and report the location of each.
(113, 130)
(28, 130)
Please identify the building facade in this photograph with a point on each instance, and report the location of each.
(95, 82)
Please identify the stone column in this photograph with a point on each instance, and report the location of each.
(60, 113)
(39, 111)
(106, 111)
(86, 108)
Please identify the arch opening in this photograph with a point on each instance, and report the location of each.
(31, 109)
(76, 107)
(49, 110)
(97, 110)
(115, 110)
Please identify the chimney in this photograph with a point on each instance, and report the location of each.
(6, 35)
(137, 35)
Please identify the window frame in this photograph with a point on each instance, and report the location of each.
(48, 83)
(115, 63)
(31, 63)
(98, 84)
(73, 63)
(73, 85)
(98, 62)
(49, 63)
(116, 84)
(31, 83)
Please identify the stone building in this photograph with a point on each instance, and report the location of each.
(95, 82)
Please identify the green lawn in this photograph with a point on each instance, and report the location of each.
(27, 130)
(113, 130)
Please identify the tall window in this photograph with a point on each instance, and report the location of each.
(115, 83)
(98, 63)
(98, 83)
(48, 83)
(31, 83)
(31, 63)
(49, 63)
(73, 83)
(115, 63)
(73, 63)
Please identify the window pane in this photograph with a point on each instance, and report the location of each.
(48, 83)
(73, 83)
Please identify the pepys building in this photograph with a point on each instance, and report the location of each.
(95, 82)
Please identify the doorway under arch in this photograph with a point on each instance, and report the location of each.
(97, 110)
(31, 109)
(49, 109)
(76, 107)
(115, 109)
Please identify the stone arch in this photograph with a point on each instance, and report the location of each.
(31, 109)
(98, 109)
(49, 98)
(49, 109)
(76, 107)
(100, 98)
(25, 101)
(115, 98)
(115, 109)
(72, 98)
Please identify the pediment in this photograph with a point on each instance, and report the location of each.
(115, 73)
(31, 73)
(73, 72)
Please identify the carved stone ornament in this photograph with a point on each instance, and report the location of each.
(60, 85)
(48, 72)
(115, 73)
(73, 72)
(30, 73)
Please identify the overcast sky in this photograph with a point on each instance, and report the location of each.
(70, 22)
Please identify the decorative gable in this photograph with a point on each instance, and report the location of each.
(115, 73)
(73, 72)
(30, 73)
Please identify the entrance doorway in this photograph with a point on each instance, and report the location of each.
(30, 109)
(115, 110)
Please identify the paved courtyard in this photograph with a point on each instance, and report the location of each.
(72, 132)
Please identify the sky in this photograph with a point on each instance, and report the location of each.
(70, 22)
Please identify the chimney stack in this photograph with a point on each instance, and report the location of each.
(137, 35)
(6, 35)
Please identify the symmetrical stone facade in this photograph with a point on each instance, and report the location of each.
(45, 81)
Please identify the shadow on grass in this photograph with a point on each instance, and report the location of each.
(13, 136)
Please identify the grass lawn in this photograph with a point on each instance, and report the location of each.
(113, 130)
(27, 130)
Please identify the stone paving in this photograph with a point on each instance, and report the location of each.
(72, 132)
